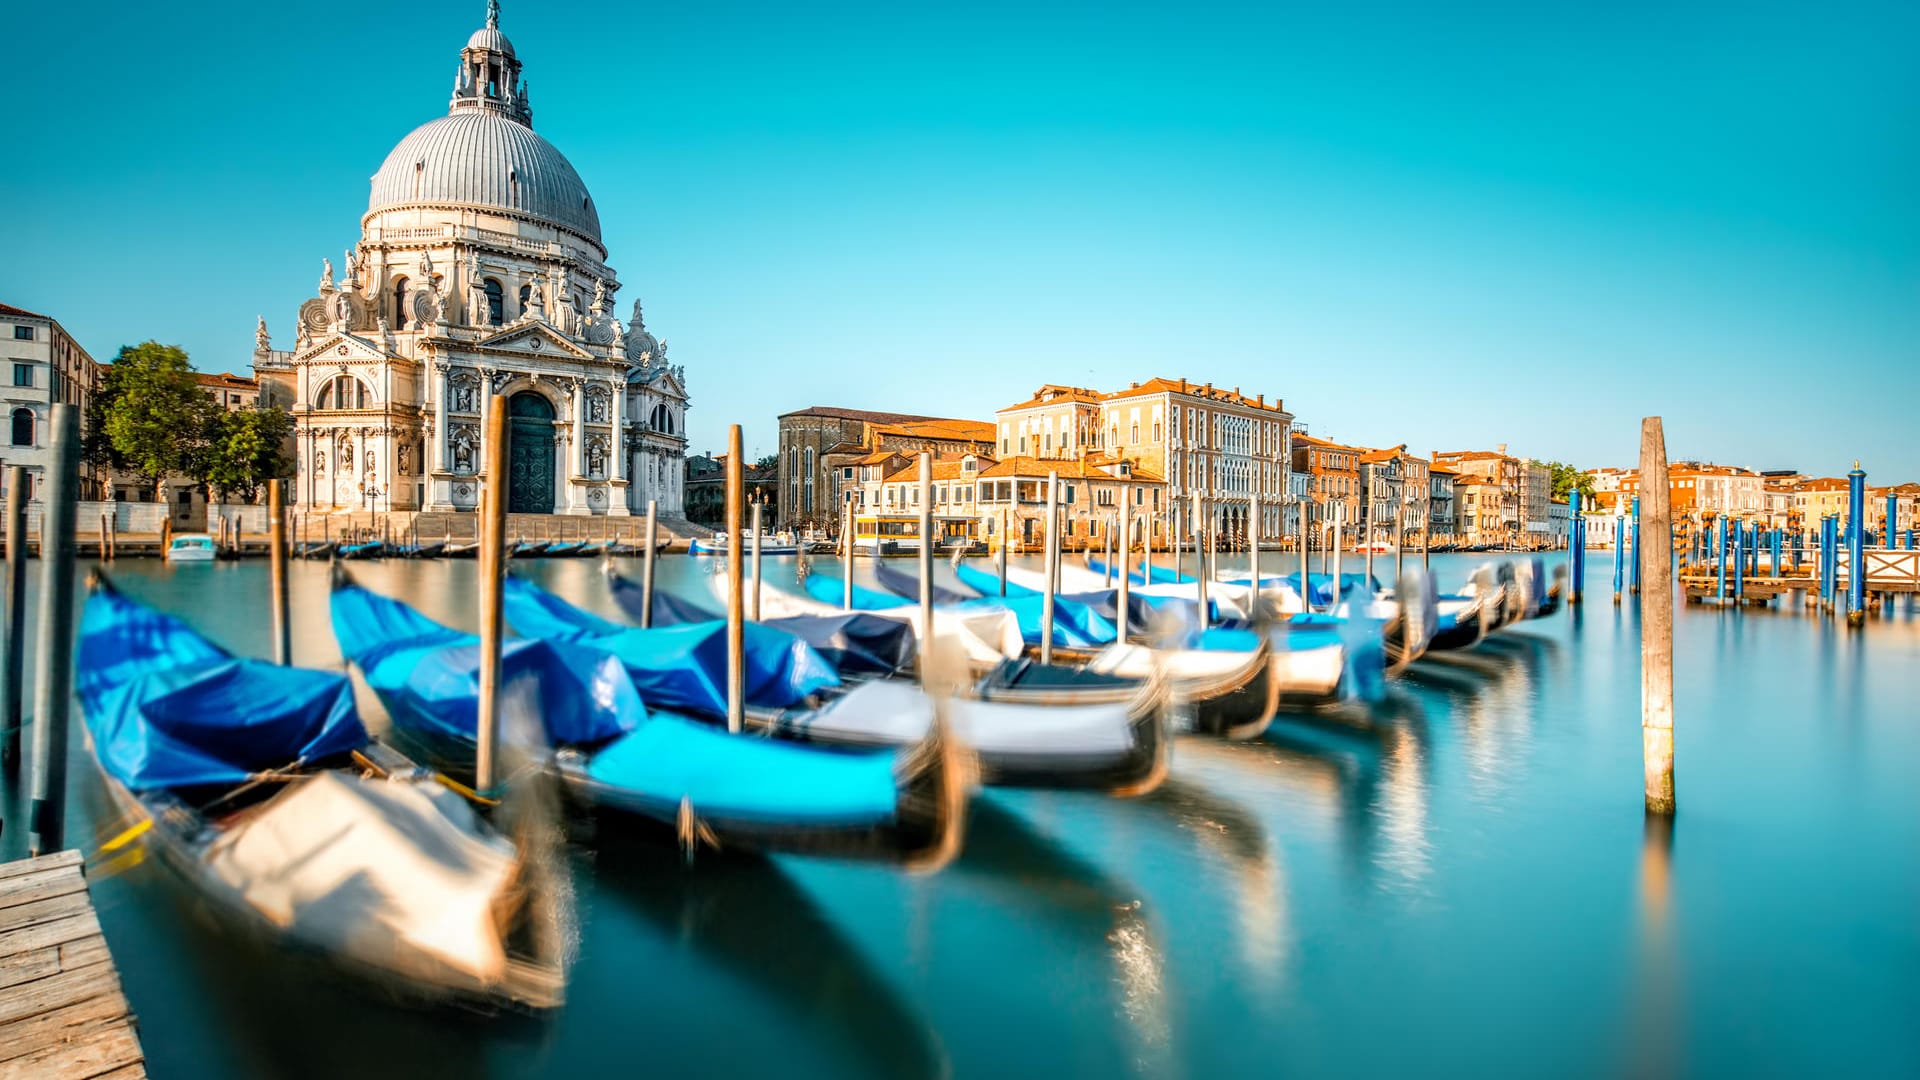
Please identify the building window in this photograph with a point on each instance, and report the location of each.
(400, 303)
(23, 333)
(23, 374)
(496, 302)
(23, 427)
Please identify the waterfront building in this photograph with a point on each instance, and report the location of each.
(1195, 438)
(1091, 497)
(1819, 497)
(1333, 471)
(1536, 500)
(1299, 490)
(1498, 515)
(1059, 422)
(704, 501)
(1395, 494)
(1906, 509)
(479, 272)
(823, 447)
(1442, 518)
(1481, 510)
(45, 367)
(1559, 522)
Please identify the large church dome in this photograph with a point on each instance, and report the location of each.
(484, 159)
(484, 152)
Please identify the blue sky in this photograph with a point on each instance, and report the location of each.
(1528, 223)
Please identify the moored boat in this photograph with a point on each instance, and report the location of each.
(265, 795)
(576, 696)
(191, 547)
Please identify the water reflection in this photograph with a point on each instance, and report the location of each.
(1040, 874)
(744, 913)
(1654, 1039)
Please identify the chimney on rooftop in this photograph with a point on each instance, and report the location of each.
(1500, 448)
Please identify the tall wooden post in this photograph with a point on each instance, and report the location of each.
(53, 670)
(736, 605)
(1306, 530)
(1046, 592)
(646, 563)
(1339, 510)
(1199, 562)
(1656, 621)
(277, 571)
(926, 551)
(492, 569)
(1006, 538)
(753, 610)
(1400, 537)
(846, 555)
(17, 610)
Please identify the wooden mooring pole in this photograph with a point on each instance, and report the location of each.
(753, 609)
(492, 569)
(1656, 620)
(53, 671)
(926, 548)
(16, 611)
(1199, 560)
(1006, 522)
(1046, 593)
(846, 555)
(646, 563)
(736, 606)
(277, 571)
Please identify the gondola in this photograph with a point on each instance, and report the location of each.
(986, 635)
(858, 644)
(528, 550)
(1118, 742)
(371, 549)
(316, 549)
(264, 793)
(460, 549)
(904, 805)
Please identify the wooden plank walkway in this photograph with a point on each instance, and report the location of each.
(62, 1013)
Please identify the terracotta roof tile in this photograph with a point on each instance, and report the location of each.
(11, 311)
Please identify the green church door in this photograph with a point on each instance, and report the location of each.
(529, 454)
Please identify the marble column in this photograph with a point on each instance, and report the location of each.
(579, 454)
(440, 387)
(620, 429)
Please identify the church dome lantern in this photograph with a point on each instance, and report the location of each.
(484, 153)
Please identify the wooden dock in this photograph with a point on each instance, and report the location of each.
(62, 1014)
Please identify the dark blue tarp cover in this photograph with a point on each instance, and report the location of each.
(854, 642)
(169, 709)
(428, 676)
(678, 667)
(906, 585)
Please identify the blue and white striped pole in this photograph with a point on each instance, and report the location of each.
(1720, 557)
(1636, 545)
(1856, 546)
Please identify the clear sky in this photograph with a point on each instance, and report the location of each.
(1446, 225)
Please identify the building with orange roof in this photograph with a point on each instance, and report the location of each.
(1489, 495)
(1333, 480)
(1194, 438)
(1442, 503)
(821, 445)
(1395, 494)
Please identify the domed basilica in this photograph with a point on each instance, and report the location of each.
(479, 272)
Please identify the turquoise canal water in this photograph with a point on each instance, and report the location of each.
(1464, 884)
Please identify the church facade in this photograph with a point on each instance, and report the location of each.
(479, 273)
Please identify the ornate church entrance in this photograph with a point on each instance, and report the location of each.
(529, 454)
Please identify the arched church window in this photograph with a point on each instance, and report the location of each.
(23, 427)
(400, 303)
(526, 291)
(496, 302)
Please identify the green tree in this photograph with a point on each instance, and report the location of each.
(245, 449)
(767, 462)
(1569, 478)
(155, 416)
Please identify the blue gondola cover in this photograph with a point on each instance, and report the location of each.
(169, 709)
